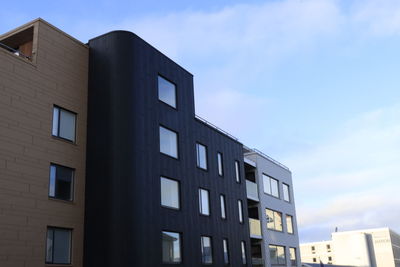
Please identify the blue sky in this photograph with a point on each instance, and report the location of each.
(313, 83)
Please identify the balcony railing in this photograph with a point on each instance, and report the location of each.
(14, 51)
(257, 262)
(265, 156)
(255, 228)
(252, 190)
(216, 128)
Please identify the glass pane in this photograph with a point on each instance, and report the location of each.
(237, 171)
(286, 195)
(52, 181)
(240, 211)
(63, 186)
(168, 142)
(169, 193)
(226, 252)
(223, 213)
(274, 187)
(289, 224)
(220, 166)
(166, 92)
(55, 121)
(267, 184)
(201, 156)
(204, 202)
(244, 260)
(278, 221)
(206, 250)
(270, 219)
(292, 252)
(49, 246)
(273, 254)
(67, 125)
(62, 246)
(281, 255)
(171, 247)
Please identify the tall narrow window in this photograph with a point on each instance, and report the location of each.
(220, 164)
(293, 260)
(169, 193)
(243, 247)
(206, 250)
(226, 251)
(286, 192)
(270, 186)
(204, 202)
(201, 156)
(237, 171)
(168, 142)
(171, 247)
(274, 220)
(223, 209)
(58, 246)
(166, 92)
(64, 123)
(289, 224)
(61, 182)
(240, 207)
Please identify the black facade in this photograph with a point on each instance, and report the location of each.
(124, 217)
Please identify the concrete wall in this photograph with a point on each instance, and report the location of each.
(321, 252)
(28, 91)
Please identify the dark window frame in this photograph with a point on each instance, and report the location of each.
(273, 212)
(179, 193)
(223, 199)
(177, 142)
(180, 247)
(283, 192)
(176, 91)
(270, 186)
(212, 250)
(200, 202)
(291, 220)
(72, 183)
(220, 172)
(197, 156)
(58, 125)
(238, 177)
(227, 251)
(284, 253)
(53, 228)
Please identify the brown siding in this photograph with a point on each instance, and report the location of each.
(28, 91)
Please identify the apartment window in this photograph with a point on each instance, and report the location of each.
(270, 186)
(204, 202)
(330, 259)
(166, 92)
(314, 259)
(292, 253)
(237, 171)
(58, 245)
(286, 192)
(277, 255)
(223, 208)
(201, 151)
(243, 248)
(313, 249)
(168, 142)
(61, 182)
(274, 220)
(206, 250)
(240, 207)
(170, 193)
(171, 247)
(289, 224)
(226, 251)
(220, 164)
(64, 123)
(328, 247)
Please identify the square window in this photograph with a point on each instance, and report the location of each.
(274, 220)
(166, 92)
(286, 192)
(277, 254)
(171, 247)
(220, 164)
(168, 142)
(61, 182)
(237, 171)
(270, 186)
(206, 250)
(58, 246)
(64, 123)
(169, 193)
(201, 152)
(204, 202)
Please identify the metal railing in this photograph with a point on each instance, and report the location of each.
(216, 128)
(14, 51)
(267, 157)
(255, 228)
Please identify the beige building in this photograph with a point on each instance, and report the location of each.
(43, 94)
(365, 248)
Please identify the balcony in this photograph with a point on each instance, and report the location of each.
(257, 262)
(255, 228)
(252, 190)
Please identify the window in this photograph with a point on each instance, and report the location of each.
(292, 252)
(61, 182)
(270, 186)
(58, 246)
(204, 202)
(206, 250)
(169, 193)
(286, 192)
(201, 156)
(277, 255)
(166, 92)
(313, 249)
(226, 251)
(237, 171)
(171, 247)
(223, 209)
(220, 164)
(274, 220)
(328, 247)
(289, 224)
(330, 259)
(243, 247)
(314, 259)
(240, 207)
(168, 142)
(64, 123)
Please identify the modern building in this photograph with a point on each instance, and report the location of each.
(103, 162)
(378, 247)
(272, 213)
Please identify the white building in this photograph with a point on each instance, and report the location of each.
(364, 248)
